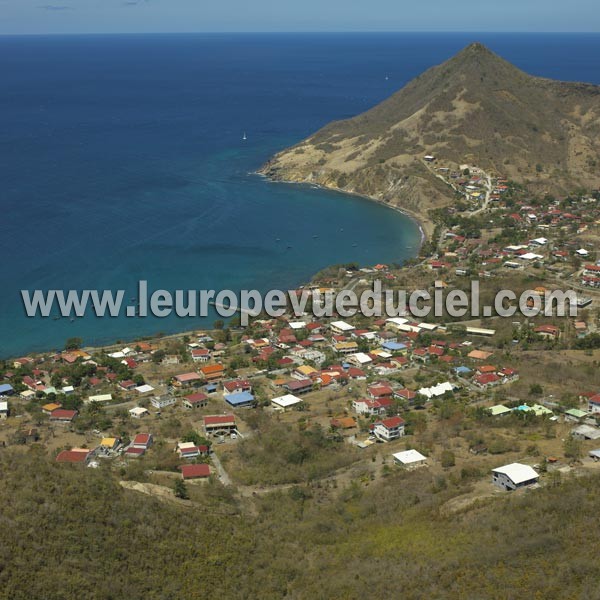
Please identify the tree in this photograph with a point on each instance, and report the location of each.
(448, 459)
(73, 343)
(180, 490)
(572, 448)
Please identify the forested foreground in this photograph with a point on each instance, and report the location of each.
(76, 533)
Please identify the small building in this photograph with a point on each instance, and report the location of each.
(514, 476)
(341, 327)
(409, 458)
(142, 440)
(63, 415)
(199, 471)
(188, 380)
(219, 424)
(75, 456)
(213, 372)
(575, 414)
(198, 400)
(389, 429)
(499, 410)
(138, 412)
(286, 402)
(6, 389)
(3, 410)
(586, 432)
(240, 400)
(162, 401)
(299, 386)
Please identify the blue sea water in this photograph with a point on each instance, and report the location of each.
(121, 158)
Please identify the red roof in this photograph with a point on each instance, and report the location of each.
(63, 414)
(392, 422)
(141, 439)
(72, 456)
(196, 398)
(219, 420)
(487, 378)
(193, 471)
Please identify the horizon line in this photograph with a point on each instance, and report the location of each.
(307, 32)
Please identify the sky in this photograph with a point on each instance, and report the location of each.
(157, 16)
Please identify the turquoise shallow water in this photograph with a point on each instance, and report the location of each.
(123, 159)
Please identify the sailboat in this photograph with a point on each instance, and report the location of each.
(244, 136)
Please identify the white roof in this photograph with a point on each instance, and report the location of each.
(342, 326)
(185, 445)
(409, 457)
(100, 398)
(541, 240)
(68, 388)
(138, 410)
(117, 355)
(437, 390)
(297, 324)
(362, 358)
(517, 472)
(529, 256)
(143, 389)
(3, 406)
(428, 326)
(397, 320)
(287, 400)
(582, 252)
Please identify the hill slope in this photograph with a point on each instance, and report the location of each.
(476, 108)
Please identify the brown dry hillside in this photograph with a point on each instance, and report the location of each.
(476, 108)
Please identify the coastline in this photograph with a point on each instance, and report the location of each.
(426, 227)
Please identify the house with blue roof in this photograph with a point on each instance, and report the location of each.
(6, 389)
(394, 346)
(240, 399)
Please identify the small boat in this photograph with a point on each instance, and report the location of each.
(277, 239)
(72, 320)
(315, 237)
(354, 245)
(244, 136)
(56, 318)
(289, 247)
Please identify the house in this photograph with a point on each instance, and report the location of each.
(240, 399)
(389, 429)
(237, 385)
(547, 331)
(192, 379)
(213, 372)
(62, 415)
(341, 327)
(499, 410)
(162, 401)
(379, 390)
(301, 386)
(189, 450)
(285, 402)
(142, 440)
(75, 456)
(6, 390)
(138, 412)
(346, 347)
(219, 424)
(110, 443)
(594, 404)
(514, 476)
(200, 471)
(200, 355)
(51, 406)
(100, 398)
(487, 380)
(127, 385)
(3, 410)
(586, 432)
(409, 459)
(132, 452)
(437, 390)
(575, 414)
(198, 400)
(372, 407)
(304, 372)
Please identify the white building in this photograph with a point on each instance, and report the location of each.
(138, 412)
(285, 402)
(3, 410)
(514, 476)
(162, 401)
(409, 458)
(341, 327)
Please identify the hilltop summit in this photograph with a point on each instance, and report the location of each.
(475, 108)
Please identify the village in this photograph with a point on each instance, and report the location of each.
(507, 403)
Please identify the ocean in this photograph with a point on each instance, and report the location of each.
(123, 159)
